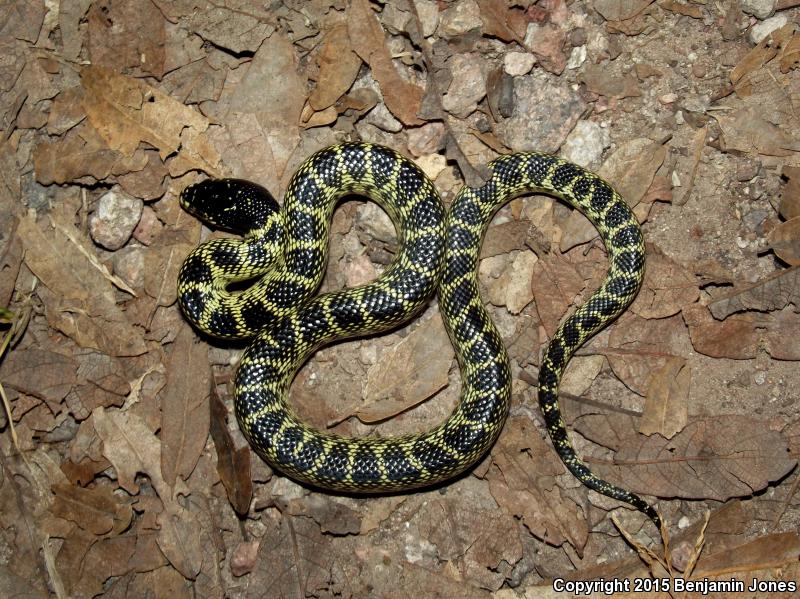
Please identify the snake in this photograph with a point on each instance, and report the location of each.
(262, 287)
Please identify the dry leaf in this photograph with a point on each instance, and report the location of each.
(747, 131)
(401, 97)
(79, 299)
(740, 336)
(666, 289)
(555, 283)
(132, 448)
(790, 197)
(97, 510)
(711, 458)
(620, 10)
(522, 481)
(770, 551)
(126, 112)
(184, 406)
(774, 292)
(408, 373)
(338, 68)
(178, 539)
(233, 456)
(784, 239)
(666, 409)
(632, 167)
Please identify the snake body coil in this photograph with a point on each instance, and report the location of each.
(288, 251)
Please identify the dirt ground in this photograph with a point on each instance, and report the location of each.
(124, 473)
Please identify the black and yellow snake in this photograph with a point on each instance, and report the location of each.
(285, 251)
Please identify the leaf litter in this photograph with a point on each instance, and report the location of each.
(111, 483)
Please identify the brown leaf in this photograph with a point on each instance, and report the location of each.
(746, 130)
(505, 237)
(666, 409)
(790, 197)
(401, 97)
(555, 284)
(784, 239)
(332, 516)
(639, 347)
(125, 36)
(619, 10)
(184, 406)
(233, 456)
(97, 510)
(338, 68)
(740, 336)
(522, 481)
(666, 289)
(132, 448)
(486, 543)
(178, 539)
(632, 167)
(599, 80)
(408, 373)
(682, 8)
(495, 15)
(770, 551)
(774, 292)
(80, 154)
(79, 299)
(163, 261)
(126, 112)
(711, 458)
(40, 373)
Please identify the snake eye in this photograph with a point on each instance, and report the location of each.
(233, 204)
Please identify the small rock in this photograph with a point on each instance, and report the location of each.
(394, 19)
(428, 13)
(669, 98)
(371, 219)
(359, 270)
(544, 114)
(699, 70)
(746, 169)
(383, 119)
(427, 139)
(468, 86)
(517, 281)
(585, 144)
(432, 165)
(148, 228)
(761, 30)
(518, 63)
(760, 9)
(129, 265)
(459, 19)
(114, 219)
(243, 558)
(577, 57)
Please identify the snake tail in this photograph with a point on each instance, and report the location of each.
(470, 214)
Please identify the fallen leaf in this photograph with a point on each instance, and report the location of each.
(666, 408)
(126, 111)
(741, 335)
(338, 68)
(522, 480)
(79, 299)
(774, 292)
(402, 98)
(177, 539)
(711, 458)
(601, 81)
(132, 448)
(784, 239)
(790, 197)
(97, 510)
(632, 167)
(233, 456)
(747, 131)
(667, 287)
(44, 374)
(619, 10)
(332, 516)
(184, 406)
(769, 551)
(682, 8)
(408, 373)
(555, 283)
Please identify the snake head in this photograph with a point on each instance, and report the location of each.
(232, 204)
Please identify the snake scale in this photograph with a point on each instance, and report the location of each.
(284, 252)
